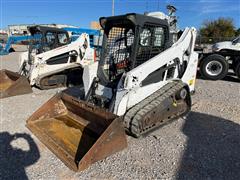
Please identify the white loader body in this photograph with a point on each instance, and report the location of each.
(78, 54)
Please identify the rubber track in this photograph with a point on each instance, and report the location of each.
(134, 116)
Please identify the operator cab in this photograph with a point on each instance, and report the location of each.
(47, 38)
(129, 41)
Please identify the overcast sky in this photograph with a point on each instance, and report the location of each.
(81, 12)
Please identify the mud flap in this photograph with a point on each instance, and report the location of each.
(12, 84)
(78, 133)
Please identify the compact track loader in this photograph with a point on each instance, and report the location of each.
(142, 81)
(51, 61)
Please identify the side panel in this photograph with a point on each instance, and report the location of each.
(126, 100)
(89, 73)
(190, 74)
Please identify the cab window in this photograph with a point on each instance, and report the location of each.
(145, 37)
(50, 38)
(152, 36)
(62, 38)
(158, 37)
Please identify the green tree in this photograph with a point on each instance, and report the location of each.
(222, 28)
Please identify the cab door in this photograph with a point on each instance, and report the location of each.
(152, 41)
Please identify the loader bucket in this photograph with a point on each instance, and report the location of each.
(78, 133)
(12, 84)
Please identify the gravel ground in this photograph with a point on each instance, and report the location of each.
(204, 145)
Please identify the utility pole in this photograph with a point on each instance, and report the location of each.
(113, 7)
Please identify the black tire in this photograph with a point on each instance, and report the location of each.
(214, 67)
(237, 70)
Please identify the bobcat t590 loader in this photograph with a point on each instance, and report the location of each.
(51, 61)
(142, 81)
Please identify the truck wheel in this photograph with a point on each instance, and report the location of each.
(214, 67)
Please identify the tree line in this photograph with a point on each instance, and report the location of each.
(221, 29)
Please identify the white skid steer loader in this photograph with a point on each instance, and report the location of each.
(142, 81)
(51, 61)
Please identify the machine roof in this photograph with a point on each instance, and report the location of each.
(135, 19)
(34, 29)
